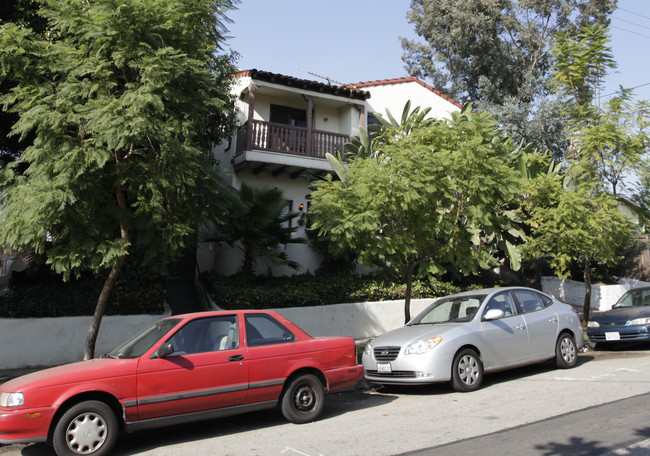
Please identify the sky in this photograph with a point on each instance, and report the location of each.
(351, 41)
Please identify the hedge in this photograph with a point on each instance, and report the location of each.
(239, 292)
(46, 295)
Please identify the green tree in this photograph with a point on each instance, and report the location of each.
(124, 100)
(576, 216)
(572, 222)
(262, 229)
(609, 138)
(495, 53)
(370, 144)
(438, 200)
(22, 12)
(485, 49)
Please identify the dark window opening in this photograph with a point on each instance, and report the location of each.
(288, 116)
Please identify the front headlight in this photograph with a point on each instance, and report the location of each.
(11, 399)
(422, 346)
(639, 321)
(593, 324)
(368, 349)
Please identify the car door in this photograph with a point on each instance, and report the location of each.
(541, 320)
(506, 339)
(206, 371)
(272, 350)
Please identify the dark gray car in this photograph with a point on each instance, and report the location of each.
(627, 321)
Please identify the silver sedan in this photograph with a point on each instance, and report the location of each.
(460, 337)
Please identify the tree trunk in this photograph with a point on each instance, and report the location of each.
(407, 296)
(109, 284)
(587, 277)
(102, 302)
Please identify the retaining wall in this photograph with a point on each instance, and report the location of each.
(42, 342)
(603, 297)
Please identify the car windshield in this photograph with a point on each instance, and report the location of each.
(450, 310)
(144, 340)
(634, 298)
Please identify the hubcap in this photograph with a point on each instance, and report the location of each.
(468, 370)
(86, 433)
(304, 398)
(568, 350)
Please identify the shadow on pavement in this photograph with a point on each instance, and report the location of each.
(336, 404)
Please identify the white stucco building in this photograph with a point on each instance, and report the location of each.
(287, 125)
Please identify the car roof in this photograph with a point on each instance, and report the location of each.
(216, 313)
(487, 291)
(644, 287)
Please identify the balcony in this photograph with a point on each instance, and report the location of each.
(286, 139)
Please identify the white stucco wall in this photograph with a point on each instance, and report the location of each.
(42, 342)
(395, 96)
(603, 297)
(36, 342)
(358, 320)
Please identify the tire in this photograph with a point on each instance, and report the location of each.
(566, 352)
(466, 371)
(88, 428)
(304, 399)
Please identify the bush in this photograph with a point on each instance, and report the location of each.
(41, 293)
(240, 292)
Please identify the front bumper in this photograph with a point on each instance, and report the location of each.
(619, 333)
(429, 367)
(24, 425)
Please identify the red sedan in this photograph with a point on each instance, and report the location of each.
(182, 368)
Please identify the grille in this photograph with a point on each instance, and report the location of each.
(616, 323)
(603, 338)
(394, 374)
(386, 353)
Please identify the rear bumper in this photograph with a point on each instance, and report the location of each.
(344, 377)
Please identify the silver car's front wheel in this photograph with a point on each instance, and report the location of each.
(467, 371)
(566, 353)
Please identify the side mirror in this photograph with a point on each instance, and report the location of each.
(494, 314)
(164, 350)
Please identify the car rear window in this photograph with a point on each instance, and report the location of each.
(263, 329)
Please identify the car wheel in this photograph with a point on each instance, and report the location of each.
(304, 399)
(467, 371)
(87, 428)
(566, 352)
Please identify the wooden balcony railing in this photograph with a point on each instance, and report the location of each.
(286, 139)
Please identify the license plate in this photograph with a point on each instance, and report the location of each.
(384, 368)
(612, 336)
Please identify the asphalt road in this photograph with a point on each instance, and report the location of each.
(602, 406)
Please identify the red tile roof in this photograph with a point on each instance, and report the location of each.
(344, 91)
(360, 85)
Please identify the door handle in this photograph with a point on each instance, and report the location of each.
(522, 327)
(553, 320)
(236, 358)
